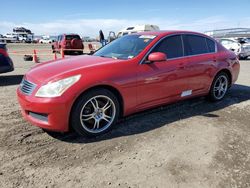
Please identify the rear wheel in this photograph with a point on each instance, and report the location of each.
(219, 87)
(95, 112)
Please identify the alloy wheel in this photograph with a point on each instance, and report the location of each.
(220, 87)
(97, 114)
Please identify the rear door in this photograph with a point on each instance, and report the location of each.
(201, 62)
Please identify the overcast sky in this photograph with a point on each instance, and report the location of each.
(46, 17)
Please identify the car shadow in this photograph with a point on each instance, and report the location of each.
(9, 80)
(163, 116)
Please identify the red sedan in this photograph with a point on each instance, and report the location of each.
(131, 74)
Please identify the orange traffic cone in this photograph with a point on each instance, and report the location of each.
(35, 59)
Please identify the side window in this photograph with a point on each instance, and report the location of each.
(171, 46)
(195, 45)
(211, 45)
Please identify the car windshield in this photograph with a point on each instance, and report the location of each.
(125, 47)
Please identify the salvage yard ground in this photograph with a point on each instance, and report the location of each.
(192, 143)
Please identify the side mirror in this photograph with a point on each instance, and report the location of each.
(157, 57)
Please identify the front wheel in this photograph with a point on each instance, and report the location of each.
(95, 112)
(219, 87)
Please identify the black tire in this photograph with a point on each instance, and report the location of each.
(84, 104)
(28, 58)
(80, 52)
(213, 96)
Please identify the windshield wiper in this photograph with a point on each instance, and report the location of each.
(104, 56)
(113, 57)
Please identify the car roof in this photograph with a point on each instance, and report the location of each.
(170, 32)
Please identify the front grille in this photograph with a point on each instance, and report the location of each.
(27, 87)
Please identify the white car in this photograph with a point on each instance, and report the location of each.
(242, 50)
(46, 41)
(131, 30)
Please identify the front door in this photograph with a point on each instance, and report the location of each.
(160, 82)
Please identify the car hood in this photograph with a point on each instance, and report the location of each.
(53, 69)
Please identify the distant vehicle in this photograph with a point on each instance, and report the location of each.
(21, 30)
(46, 41)
(10, 37)
(24, 39)
(131, 30)
(133, 73)
(241, 49)
(69, 43)
(137, 29)
(87, 39)
(6, 64)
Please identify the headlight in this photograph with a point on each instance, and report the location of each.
(56, 89)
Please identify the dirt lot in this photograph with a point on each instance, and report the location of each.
(190, 144)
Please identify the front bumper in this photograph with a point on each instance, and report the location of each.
(47, 113)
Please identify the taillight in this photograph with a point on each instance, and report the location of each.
(4, 52)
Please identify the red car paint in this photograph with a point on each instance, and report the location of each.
(141, 86)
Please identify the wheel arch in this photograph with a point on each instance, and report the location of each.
(229, 74)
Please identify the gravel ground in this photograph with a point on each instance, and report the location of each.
(193, 144)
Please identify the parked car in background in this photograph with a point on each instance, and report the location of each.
(6, 64)
(10, 37)
(88, 39)
(137, 29)
(69, 43)
(131, 74)
(131, 30)
(46, 41)
(242, 49)
(24, 39)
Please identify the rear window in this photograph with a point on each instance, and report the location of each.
(195, 45)
(210, 45)
(70, 37)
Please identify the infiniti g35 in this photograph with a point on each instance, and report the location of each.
(131, 74)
